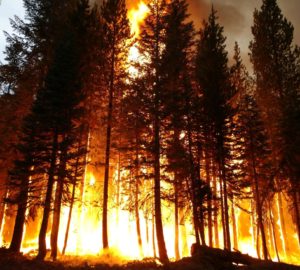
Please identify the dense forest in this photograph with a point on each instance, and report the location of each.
(131, 131)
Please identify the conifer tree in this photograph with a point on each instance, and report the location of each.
(212, 75)
(176, 59)
(151, 46)
(116, 35)
(274, 59)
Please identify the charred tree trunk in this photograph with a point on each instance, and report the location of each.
(296, 201)
(283, 225)
(273, 231)
(107, 151)
(225, 204)
(176, 217)
(201, 224)
(153, 235)
(2, 204)
(192, 186)
(76, 174)
(57, 207)
(222, 213)
(216, 223)
(234, 227)
(258, 203)
(42, 251)
(16, 241)
(209, 202)
(136, 198)
(69, 219)
(157, 207)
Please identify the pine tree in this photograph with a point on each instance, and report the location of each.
(176, 58)
(116, 34)
(151, 46)
(274, 59)
(212, 76)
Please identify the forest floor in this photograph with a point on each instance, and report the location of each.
(10, 261)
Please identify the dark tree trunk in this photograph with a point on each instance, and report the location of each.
(176, 217)
(283, 225)
(16, 242)
(136, 199)
(76, 174)
(153, 235)
(57, 208)
(273, 231)
(42, 251)
(192, 187)
(209, 202)
(157, 200)
(259, 208)
(107, 153)
(69, 219)
(296, 201)
(216, 223)
(226, 208)
(234, 227)
(2, 204)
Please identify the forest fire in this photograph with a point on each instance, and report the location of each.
(130, 161)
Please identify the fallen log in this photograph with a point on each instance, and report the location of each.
(237, 258)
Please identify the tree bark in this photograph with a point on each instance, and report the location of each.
(296, 201)
(42, 251)
(176, 218)
(258, 202)
(209, 202)
(107, 151)
(234, 227)
(16, 242)
(57, 206)
(136, 199)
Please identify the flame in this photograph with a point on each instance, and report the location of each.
(137, 16)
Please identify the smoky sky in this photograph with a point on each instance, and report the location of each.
(236, 16)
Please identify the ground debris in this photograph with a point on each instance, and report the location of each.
(207, 259)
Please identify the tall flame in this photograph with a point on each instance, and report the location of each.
(137, 16)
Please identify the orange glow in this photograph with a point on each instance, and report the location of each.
(137, 17)
(85, 234)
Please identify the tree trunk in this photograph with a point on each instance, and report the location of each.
(153, 236)
(259, 210)
(57, 207)
(136, 199)
(74, 189)
(216, 223)
(176, 218)
(273, 231)
(108, 145)
(157, 200)
(201, 225)
(2, 204)
(296, 201)
(16, 242)
(191, 187)
(222, 213)
(226, 209)
(234, 227)
(69, 219)
(42, 251)
(283, 225)
(209, 202)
